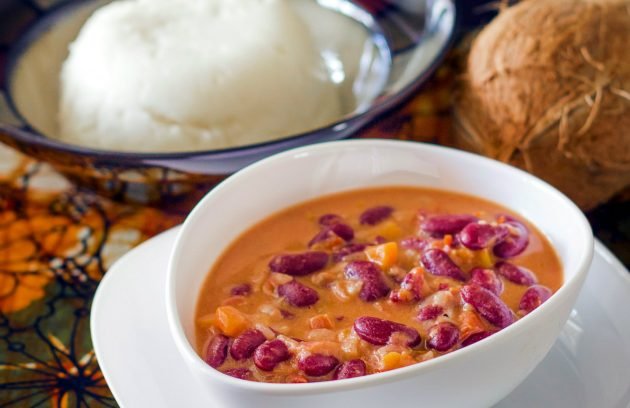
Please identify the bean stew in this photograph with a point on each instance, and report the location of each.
(368, 281)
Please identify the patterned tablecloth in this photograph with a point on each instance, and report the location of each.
(57, 242)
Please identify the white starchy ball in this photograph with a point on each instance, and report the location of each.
(180, 75)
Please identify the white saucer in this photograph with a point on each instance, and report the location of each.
(589, 365)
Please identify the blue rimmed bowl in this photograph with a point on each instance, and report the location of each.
(387, 49)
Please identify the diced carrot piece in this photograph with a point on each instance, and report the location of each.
(470, 323)
(501, 219)
(391, 360)
(485, 258)
(321, 321)
(230, 320)
(395, 359)
(385, 254)
(448, 239)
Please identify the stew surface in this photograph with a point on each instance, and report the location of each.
(368, 281)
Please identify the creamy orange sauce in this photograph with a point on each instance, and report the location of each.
(246, 261)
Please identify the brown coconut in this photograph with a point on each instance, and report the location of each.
(547, 88)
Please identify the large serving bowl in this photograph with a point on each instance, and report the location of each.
(382, 53)
(476, 376)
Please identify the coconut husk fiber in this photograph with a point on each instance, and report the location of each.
(547, 88)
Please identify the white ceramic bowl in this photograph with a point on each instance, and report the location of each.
(477, 376)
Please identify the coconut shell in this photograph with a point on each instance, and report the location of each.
(547, 88)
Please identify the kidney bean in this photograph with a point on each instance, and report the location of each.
(350, 369)
(299, 264)
(342, 231)
(438, 263)
(378, 331)
(374, 285)
(375, 215)
(442, 336)
(533, 297)
(475, 337)
(515, 243)
(243, 289)
(516, 274)
(327, 220)
(489, 305)
(240, 373)
(479, 236)
(217, 349)
(378, 240)
(246, 343)
(439, 225)
(430, 312)
(344, 251)
(316, 365)
(297, 294)
(415, 243)
(410, 287)
(271, 353)
(486, 278)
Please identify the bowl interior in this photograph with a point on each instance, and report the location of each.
(348, 38)
(310, 172)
